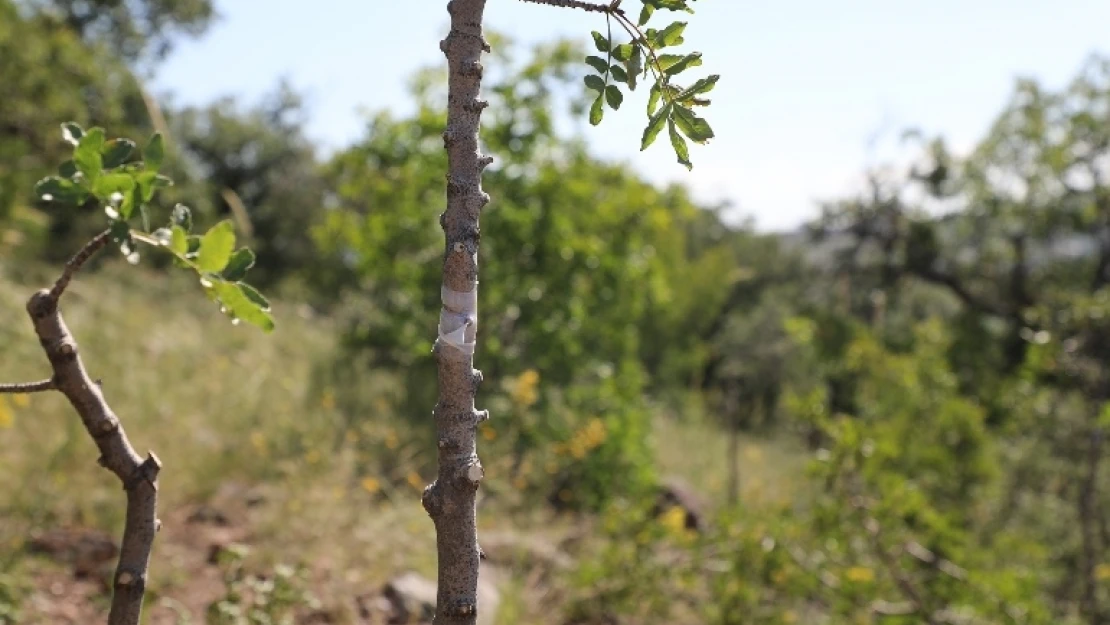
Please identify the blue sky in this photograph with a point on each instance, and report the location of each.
(807, 85)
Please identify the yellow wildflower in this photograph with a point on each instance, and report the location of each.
(525, 390)
(674, 519)
(1102, 572)
(371, 484)
(859, 574)
(327, 399)
(258, 441)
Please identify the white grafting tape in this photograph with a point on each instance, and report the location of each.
(459, 312)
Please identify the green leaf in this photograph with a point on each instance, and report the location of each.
(154, 152)
(679, 145)
(240, 305)
(193, 242)
(597, 110)
(255, 296)
(108, 185)
(150, 181)
(653, 99)
(673, 5)
(597, 63)
(87, 154)
(72, 133)
(182, 216)
(111, 183)
(67, 169)
(671, 35)
(1104, 416)
(645, 14)
(674, 63)
(216, 247)
(614, 96)
(635, 65)
(623, 52)
(116, 152)
(241, 261)
(179, 240)
(600, 42)
(61, 191)
(703, 85)
(619, 74)
(691, 125)
(595, 82)
(655, 124)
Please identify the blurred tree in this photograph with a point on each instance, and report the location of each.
(136, 30)
(1024, 249)
(257, 166)
(48, 74)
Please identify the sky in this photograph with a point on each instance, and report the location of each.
(812, 92)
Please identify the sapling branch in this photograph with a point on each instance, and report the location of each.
(450, 499)
(124, 187)
(139, 476)
(577, 4)
(28, 387)
(77, 261)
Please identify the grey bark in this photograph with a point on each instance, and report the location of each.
(138, 476)
(450, 499)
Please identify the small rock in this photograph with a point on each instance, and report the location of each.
(412, 599)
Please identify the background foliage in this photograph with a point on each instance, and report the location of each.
(898, 415)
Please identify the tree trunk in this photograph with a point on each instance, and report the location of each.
(733, 406)
(450, 499)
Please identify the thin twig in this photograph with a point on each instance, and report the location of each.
(80, 258)
(28, 387)
(577, 4)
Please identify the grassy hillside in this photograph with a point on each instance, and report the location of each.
(249, 435)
